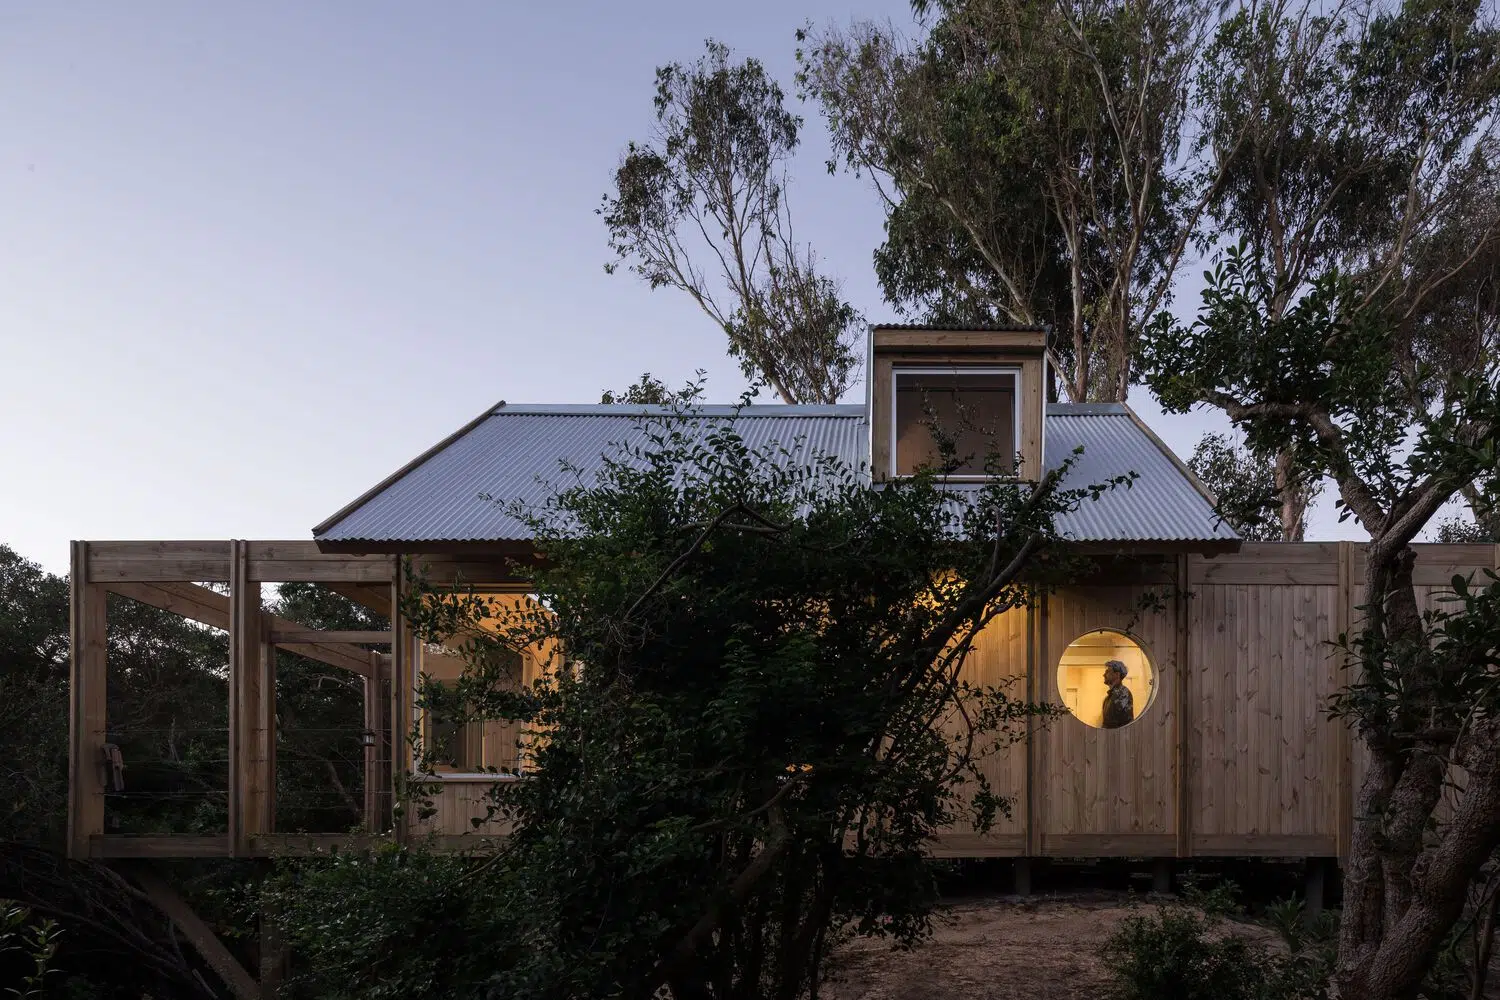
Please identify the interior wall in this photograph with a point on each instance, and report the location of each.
(492, 743)
(1080, 675)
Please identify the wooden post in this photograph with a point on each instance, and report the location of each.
(1313, 886)
(201, 936)
(87, 711)
(1033, 790)
(402, 711)
(265, 725)
(249, 793)
(1037, 765)
(374, 726)
(1344, 825)
(1184, 748)
(1022, 873)
(1161, 876)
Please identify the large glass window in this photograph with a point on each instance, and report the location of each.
(455, 745)
(973, 408)
(1106, 679)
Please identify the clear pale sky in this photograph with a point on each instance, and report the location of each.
(254, 257)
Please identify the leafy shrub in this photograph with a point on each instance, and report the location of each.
(1184, 951)
(36, 943)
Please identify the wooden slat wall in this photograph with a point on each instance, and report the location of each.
(1266, 773)
(1264, 756)
(460, 802)
(998, 659)
(1115, 783)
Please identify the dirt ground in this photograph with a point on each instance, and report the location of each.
(1002, 948)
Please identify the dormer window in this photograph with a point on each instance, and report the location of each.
(980, 390)
(974, 410)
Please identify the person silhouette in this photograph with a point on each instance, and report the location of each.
(1119, 704)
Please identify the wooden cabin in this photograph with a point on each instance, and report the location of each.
(1226, 646)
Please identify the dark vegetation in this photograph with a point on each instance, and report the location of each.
(758, 720)
(167, 713)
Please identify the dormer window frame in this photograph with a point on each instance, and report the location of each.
(933, 367)
(947, 348)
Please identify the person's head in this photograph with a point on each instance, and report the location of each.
(1114, 672)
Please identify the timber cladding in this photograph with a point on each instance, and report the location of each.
(1235, 754)
(1231, 752)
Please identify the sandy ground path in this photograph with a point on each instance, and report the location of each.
(1002, 948)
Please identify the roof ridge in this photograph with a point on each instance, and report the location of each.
(705, 409)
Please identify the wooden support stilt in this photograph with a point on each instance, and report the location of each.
(1314, 886)
(1022, 874)
(87, 713)
(198, 934)
(1161, 876)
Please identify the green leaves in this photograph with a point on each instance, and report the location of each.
(760, 723)
(710, 187)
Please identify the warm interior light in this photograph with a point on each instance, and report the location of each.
(1080, 674)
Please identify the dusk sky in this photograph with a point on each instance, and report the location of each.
(257, 256)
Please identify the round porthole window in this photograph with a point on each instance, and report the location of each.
(1105, 679)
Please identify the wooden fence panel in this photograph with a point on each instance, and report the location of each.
(457, 805)
(998, 659)
(1264, 756)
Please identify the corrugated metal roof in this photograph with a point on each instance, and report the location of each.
(514, 454)
(1165, 503)
(978, 327)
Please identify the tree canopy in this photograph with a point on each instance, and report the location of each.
(703, 208)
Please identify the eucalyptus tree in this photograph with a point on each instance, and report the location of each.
(702, 207)
(1246, 487)
(1033, 162)
(1362, 136)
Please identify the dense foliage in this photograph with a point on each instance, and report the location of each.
(759, 723)
(1330, 379)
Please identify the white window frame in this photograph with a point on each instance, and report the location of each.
(897, 370)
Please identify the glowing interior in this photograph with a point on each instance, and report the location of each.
(1080, 674)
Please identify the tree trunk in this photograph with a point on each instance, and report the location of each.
(1402, 897)
(1486, 515)
(1293, 498)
